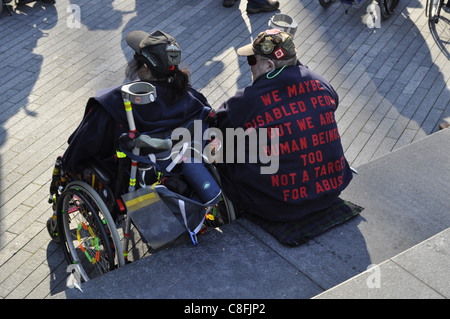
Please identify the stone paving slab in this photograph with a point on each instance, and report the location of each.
(395, 283)
(392, 83)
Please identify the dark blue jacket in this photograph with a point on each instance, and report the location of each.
(312, 168)
(105, 120)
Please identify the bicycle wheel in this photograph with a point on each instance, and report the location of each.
(325, 3)
(85, 237)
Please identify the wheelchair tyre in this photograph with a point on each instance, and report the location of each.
(105, 212)
(432, 9)
(88, 235)
(325, 3)
(387, 7)
(52, 229)
(228, 204)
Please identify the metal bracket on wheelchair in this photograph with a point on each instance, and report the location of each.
(139, 93)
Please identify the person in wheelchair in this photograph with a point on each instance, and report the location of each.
(95, 187)
(156, 60)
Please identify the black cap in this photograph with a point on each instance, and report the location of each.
(160, 50)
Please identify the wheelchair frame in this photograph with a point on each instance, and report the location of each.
(387, 7)
(433, 9)
(86, 213)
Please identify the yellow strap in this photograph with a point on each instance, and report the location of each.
(121, 154)
(158, 181)
(127, 106)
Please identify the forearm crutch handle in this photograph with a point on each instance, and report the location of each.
(137, 93)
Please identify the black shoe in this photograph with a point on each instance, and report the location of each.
(228, 3)
(270, 5)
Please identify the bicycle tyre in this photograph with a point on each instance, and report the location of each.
(325, 3)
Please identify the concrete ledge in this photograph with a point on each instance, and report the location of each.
(421, 272)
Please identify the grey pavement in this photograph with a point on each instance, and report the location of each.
(392, 83)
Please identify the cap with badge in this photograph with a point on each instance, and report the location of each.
(272, 44)
(160, 50)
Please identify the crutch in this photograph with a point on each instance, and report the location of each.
(138, 93)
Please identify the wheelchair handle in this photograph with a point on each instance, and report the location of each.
(153, 143)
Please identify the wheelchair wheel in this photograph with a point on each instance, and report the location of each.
(88, 235)
(387, 7)
(325, 3)
(433, 8)
(52, 229)
(231, 213)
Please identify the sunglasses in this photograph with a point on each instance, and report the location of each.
(251, 60)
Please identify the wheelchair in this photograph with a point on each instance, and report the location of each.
(88, 208)
(387, 7)
(433, 9)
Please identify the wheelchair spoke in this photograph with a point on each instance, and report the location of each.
(86, 239)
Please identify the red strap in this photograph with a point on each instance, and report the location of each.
(121, 206)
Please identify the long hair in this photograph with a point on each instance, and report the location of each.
(177, 83)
